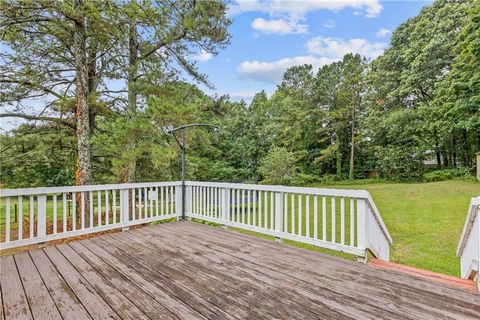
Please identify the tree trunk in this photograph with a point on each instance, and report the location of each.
(132, 97)
(466, 149)
(83, 173)
(339, 158)
(352, 146)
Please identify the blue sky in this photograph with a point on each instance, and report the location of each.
(268, 36)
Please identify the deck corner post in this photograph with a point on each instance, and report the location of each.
(188, 202)
(361, 224)
(179, 198)
(124, 208)
(42, 215)
(225, 205)
(278, 216)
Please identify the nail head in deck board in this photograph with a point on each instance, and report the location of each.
(39, 300)
(14, 299)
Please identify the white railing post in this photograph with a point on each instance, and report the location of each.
(279, 214)
(42, 215)
(188, 202)
(178, 202)
(361, 227)
(225, 205)
(124, 208)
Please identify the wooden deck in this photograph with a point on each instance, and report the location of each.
(190, 271)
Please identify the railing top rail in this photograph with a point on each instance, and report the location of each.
(278, 188)
(378, 217)
(100, 187)
(467, 227)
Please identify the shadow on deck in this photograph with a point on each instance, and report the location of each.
(189, 271)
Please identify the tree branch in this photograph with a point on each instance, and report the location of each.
(39, 118)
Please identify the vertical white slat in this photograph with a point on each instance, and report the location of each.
(272, 203)
(315, 217)
(208, 199)
(333, 220)
(124, 207)
(324, 218)
(162, 209)
(90, 196)
(99, 208)
(82, 209)
(278, 211)
(41, 215)
(20, 217)
(265, 213)
(31, 219)
(64, 200)
(107, 207)
(167, 201)
(285, 212)
(249, 204)
(145, 197)
(352, 222)
(217, 205)
(54, 214)
(114, 200)
(293, 212)
(243, 205)
(140, 203)
(361, 216)
(300, 213)
(74, 211)
(7, 219)
(156, 202)
(194, 199)
(342, 220)
(133, 205)
(172, 200)
(237, 218)
(307, 216)
(256, 210)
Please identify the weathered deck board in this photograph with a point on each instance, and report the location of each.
(184, 270)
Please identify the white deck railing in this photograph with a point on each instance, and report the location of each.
(469, 246)
(342, 220)
(38, 215)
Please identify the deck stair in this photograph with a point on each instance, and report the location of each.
(457, 282)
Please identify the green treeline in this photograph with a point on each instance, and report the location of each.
(414, 108)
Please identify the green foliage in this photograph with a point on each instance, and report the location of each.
(447, 174)
(278, 167)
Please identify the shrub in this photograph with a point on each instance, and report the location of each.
(278, 167)
(447, 174)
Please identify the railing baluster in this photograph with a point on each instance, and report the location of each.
(352, 222)
(334, 228)
(31, 218)
(82, 209)
(107, 207)
(324, 218)
(293, 212)
(315, 217)
(20, 217)
(300, 233)
(54, 214)
(307, 216)
(99, 208)
(64, 200)
(74, 211)
(90, 201)
(342, 220)
(272, 203)
(114, 195)
(41, 215)
(7, 219)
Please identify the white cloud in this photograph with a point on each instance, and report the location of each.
(369, 8)
(337, 47)
(329, 24)
(279, 26)
(242, 94)
(383, 32)
(203, 56)
(273, 71)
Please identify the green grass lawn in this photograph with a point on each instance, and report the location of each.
(425, 220)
